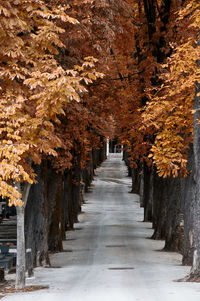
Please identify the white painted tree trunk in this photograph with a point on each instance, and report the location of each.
(21, 256)
(20, 268)
(107, 148)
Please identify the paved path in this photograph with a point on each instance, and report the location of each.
(110, 257)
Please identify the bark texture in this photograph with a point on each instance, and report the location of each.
(159, 207)
(188, 197)
(24, 189)
(135, 174)
(37, 218)
(76, 187)
(55, 207)
(148, 193)
(174, 216)
(21, 264)
(126, 161)
(195, 272)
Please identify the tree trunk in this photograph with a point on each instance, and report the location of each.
(21, 264)
(88, 174)
(195, 271)
(174, 216)
(188, 197)
(54, 196)
(148, 193)
(68, 188)
(65, 201)
(167, 212)
(76, 179)
(102, 151)
(159, 207)
(21, 255)
(37, 218)
(135, 173)
(142, 188)
(126, 160)
(95, 157)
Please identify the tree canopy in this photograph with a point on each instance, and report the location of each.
(75, 71)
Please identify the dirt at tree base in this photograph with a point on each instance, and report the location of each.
(8, 287)
(190, 278)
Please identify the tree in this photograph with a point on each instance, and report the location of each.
(55, 105)
(35, 90)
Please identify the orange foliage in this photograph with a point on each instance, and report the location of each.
(73, 74)
(159, 125)
(35, 89)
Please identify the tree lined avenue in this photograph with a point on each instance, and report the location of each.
(74, 74)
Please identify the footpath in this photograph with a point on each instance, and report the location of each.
(109, 257)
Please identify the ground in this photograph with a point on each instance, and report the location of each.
(110, 256)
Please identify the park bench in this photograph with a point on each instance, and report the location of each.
(6, 259)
